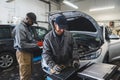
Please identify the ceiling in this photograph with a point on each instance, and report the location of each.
(85, 5)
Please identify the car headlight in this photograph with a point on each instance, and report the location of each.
(91, 55)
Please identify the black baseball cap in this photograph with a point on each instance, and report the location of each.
(61, 21)
(32, 16)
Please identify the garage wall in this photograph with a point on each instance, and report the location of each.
(14, 11)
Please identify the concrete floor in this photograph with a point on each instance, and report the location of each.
(12, 73)
(38, 74)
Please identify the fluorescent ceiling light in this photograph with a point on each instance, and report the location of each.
(70, 4)
(102, 8)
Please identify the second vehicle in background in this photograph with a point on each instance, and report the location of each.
(7, 52)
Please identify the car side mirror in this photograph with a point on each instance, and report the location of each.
(113, 36)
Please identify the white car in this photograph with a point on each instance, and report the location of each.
(89, 37)
(91, 42)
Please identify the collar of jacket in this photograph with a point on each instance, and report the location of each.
(54, 34)
(22, 22)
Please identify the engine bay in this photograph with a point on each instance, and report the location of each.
(84, 45)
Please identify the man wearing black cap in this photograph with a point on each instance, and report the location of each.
(58, 47)
(24, 43)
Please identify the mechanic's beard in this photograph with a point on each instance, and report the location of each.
(27, 24)
(59, 34)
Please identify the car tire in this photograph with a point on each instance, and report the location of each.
(106, 58)
(7, 60)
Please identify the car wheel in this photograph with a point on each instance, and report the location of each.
(106, 58)
(7, 60)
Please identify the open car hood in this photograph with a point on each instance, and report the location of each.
(79, 22)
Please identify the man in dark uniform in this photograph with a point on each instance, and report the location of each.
(24, 44)
(58, 46)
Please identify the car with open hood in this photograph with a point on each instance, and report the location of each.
(89, 38)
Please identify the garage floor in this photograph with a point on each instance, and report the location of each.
(12, 73)
(38, 74)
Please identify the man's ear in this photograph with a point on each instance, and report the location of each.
(55, 25)
(26, 18)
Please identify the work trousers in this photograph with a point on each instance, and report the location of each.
(25, 64)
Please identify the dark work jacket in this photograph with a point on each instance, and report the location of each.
(23, 39)
(57, 53)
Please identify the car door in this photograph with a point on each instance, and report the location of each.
(7, 52)
(114, 48)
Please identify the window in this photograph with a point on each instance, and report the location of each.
(40, 32)
(5, 33)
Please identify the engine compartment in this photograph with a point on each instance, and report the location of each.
(84, 44)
